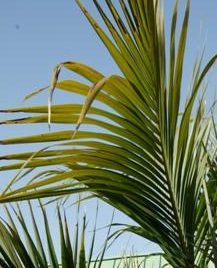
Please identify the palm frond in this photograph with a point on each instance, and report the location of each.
(145, 156)
(23, 245)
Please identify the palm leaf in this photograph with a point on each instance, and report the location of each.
(145, 157)
(20, 248)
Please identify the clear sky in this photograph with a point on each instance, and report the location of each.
(36, 35)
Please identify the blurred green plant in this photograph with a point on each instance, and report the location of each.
(33, 245)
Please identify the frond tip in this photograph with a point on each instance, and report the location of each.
(91, 96)
(53, 82)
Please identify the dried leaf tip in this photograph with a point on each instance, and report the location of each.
(53, 82)
(91, 96)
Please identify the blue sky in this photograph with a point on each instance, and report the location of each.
(36, 35)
